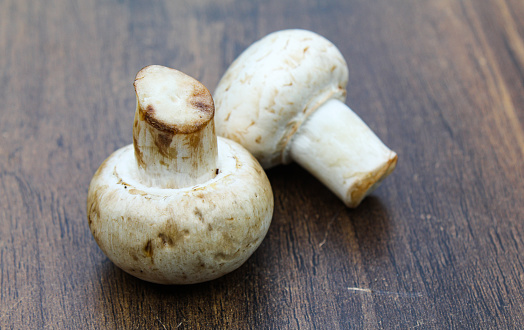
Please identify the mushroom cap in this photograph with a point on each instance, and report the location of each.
(272, 87)
(186, 235)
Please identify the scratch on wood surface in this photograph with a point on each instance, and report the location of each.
(388, 293)
(360, 289)
(420, 323)
(330, 223)
(162, 324)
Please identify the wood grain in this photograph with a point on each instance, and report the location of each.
(438, 245)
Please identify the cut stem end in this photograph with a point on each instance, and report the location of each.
(338, 148)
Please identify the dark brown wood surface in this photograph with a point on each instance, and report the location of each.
(439, 245)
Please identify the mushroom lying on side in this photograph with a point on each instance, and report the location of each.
(178, 206)
(283, 99)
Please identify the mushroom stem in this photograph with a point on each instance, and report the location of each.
(174, 132)
(337, 147)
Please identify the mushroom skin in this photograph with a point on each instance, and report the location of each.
(283, 100)
(178, 233)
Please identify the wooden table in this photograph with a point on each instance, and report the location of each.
(439, 245)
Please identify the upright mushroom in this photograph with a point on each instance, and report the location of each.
(283, 99)
(178, 206)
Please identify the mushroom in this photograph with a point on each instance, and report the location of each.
(283, 100)
(179, 205)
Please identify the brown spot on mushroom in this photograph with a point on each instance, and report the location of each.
(227, 117)
(200, 195)
(246, 79)
(146, 114)
(237, 161)
(174, 128)
(166, 240)
(125, 184)
(227, 240)
(194, 141)
(221, 256)
(163, 142)
(170, 235)
(150, 111)
(198, 214)
(137, 192)
(258, 139)
(148, 250)
(138, 154)
(202, 100)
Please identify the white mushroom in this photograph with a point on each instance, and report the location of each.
(178, 206)
(283, 99)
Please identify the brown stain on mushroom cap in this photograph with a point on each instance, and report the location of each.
(221, 256)
(198, 214)
(134, 191)
(170, 235)
(148, 250)
(166, 240)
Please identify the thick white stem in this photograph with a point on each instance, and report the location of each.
(174, 131)
(338, 148)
